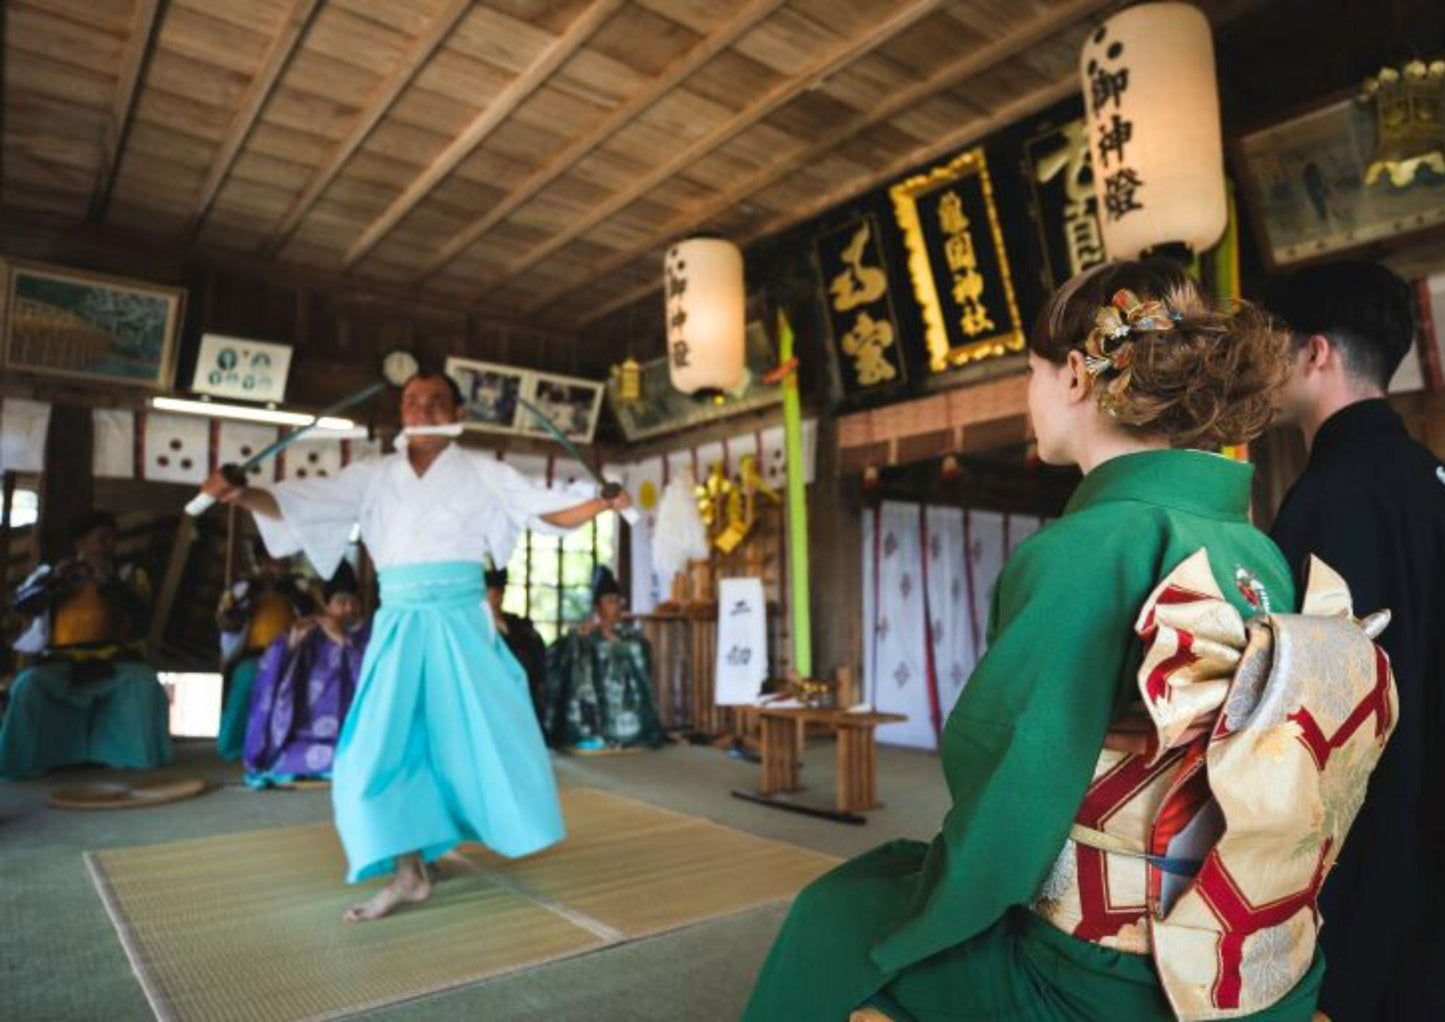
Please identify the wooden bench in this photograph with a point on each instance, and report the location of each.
(781, 743)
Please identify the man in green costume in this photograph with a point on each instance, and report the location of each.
(1129, 363)
(599, 681)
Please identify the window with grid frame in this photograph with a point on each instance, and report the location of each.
(549, 578)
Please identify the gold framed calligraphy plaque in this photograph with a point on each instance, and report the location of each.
(957, 262)
(861, 317)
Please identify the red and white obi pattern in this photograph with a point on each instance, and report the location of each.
(1221, 800)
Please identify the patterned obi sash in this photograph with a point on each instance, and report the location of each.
(1221, 800)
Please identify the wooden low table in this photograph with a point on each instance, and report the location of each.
(781, 741)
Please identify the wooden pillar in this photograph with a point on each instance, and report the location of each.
(66, 488)
(835, 512)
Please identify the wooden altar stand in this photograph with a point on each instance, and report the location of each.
(781, 741)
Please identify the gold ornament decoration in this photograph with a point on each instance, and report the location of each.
(1409, 109)
(629, 380)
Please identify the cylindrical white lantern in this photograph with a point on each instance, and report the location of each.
(1152, 109)
(703, 287)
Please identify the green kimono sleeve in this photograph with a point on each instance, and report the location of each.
(1019, 748)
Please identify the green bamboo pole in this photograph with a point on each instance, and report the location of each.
(797, 503)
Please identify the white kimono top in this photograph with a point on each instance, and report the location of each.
(466, 507)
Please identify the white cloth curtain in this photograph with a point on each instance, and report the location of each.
(965, 550)
(953, 648)
(113, 452)
(896, 664)
(23, 426)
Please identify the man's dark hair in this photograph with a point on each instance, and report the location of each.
(83, 525)
(1366, 311)
(436, 374)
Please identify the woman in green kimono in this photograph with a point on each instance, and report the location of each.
(1130, 367)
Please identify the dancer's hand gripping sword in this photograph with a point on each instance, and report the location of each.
(397, 367)
(610, 490)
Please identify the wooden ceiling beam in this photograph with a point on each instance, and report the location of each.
(974, 63)
(1002, 117)
(408, 67)
(705, 50)
(140, 45)
(278, 58)
(557, 53)
(774, 99)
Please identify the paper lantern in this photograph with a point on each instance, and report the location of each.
(1153, 114)
(703, 286)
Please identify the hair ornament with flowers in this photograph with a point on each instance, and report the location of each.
(1109, 347)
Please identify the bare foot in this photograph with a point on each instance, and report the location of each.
(407, 887)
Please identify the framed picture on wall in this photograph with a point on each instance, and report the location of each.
(490, 394)
(241, 369)
(65, 322)
(572, 405)
(1304, 181)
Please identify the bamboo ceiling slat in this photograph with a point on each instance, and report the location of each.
(536, 153)
(787, 43)
(194, 80)
(112, 16)
(316, 74)
(164, 143)
(278, 56)
(442, 115)
(458, 196)
(303, 111)
(263, 169)
(59, 80)
(1001, 117)
(558, 113)
(229, 45)
(646, 42)
(404, 144)
(286, 144)
(72, 42)
(702, 16)
(174, 112)
(729, 77)
(489, 168)
(599, 79)
(547, 60)
(677, 72)
(831, 57)
(240, 12)
(60, 170)
(966, 67)
(503, 41)
(353, 39)
(408, 16)
(607, 170)
(457, 76)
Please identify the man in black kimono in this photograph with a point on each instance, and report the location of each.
(522, 639)
(1371, 504)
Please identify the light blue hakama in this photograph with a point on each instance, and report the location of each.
(442, 743)
(121, 720)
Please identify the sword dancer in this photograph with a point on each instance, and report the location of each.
(442, 743)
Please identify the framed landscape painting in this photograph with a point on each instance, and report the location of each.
(65, 322)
